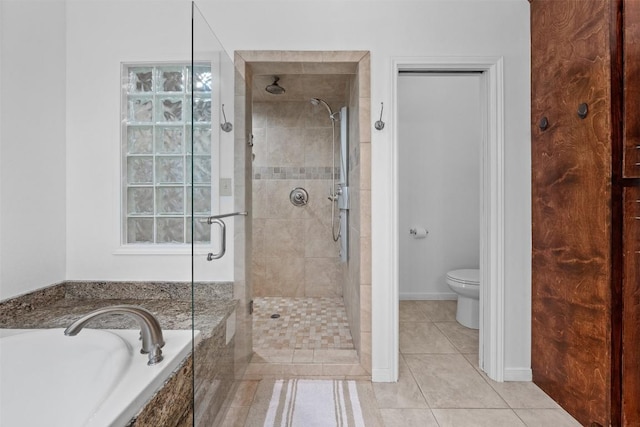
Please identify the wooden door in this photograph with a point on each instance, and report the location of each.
(632, 88)
(571, 206)
(631, 303)
(631, 216)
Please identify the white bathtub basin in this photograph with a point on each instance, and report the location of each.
(97, 378)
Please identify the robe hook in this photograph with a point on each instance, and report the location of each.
(379, 125)
(226, 126)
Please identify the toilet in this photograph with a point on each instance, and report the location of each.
(466, 283)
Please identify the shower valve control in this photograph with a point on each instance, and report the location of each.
(299, 196)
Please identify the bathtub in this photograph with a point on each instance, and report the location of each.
(97, 378)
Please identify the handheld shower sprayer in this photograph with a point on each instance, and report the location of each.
(332, 115)
(334, 191)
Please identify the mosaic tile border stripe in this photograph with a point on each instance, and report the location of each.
(291, 172)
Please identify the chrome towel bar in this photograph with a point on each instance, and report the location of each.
(210, 219)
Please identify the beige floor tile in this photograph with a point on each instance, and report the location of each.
(449, 381)
(473, 359)
(343, 369)
(403, 394)
(358, 377)
(423, 337)
(244, 393)
(370, 411)
(304, 369)
(413, 311)
(264, 369)
(523, 395)
(304, 323)
(335, 356)
(464, 339)
(258, 377)
(441, 311)
(546, 418)
(477, 418)
(262, 355)
(408, 418)
(236, 417)
(302, 356)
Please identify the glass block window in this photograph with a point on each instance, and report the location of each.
(162, 169)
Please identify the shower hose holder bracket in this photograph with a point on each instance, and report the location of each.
(343, 197)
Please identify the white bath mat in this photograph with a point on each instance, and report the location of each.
(310, 403)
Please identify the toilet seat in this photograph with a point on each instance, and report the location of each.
(466, 276)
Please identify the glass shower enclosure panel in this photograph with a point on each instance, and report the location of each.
(219, 223)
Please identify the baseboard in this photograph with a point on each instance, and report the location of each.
(428, 296)
(518, 374)
(383, 376)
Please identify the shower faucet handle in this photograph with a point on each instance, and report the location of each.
(332, 195)
(335, 192)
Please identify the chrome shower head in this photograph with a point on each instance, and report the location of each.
(318, 101)
(274, 88)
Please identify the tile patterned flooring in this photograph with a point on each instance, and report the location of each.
(311, 338)
(303, 323)
(440, 383)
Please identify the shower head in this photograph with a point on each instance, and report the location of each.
(274, 88)
(318, 101)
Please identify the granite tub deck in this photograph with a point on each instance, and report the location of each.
(59, 305)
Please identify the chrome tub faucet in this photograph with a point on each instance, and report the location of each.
(150, 330)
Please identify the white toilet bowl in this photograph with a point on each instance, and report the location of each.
(466, 283)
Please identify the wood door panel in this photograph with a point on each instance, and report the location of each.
(631, 303)
(571, 178)
(632, 88)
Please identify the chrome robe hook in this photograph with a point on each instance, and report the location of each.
(226, 126)
(379, 125)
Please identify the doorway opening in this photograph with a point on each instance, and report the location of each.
(491, 205)
(440, 136)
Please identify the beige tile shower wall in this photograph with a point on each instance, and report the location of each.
(351, 271)
(364, 137)
(243, 343)
(357, 273)
(293, 253)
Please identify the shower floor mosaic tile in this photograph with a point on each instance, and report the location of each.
(303, 323)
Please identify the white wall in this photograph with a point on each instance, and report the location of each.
(100, 36)
(439, 140)
(391, 29)
(32, 145)
(1, 126)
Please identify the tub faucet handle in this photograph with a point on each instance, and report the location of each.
(150, 330)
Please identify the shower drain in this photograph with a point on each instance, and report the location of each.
(275, 316)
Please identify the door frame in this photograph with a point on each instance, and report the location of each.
(492, 211)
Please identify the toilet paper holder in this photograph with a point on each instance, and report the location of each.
(418, 233)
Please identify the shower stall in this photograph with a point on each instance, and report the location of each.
(296, 251)
(295, 206)
(296, 202)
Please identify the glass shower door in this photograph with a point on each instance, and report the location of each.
(220, 223)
